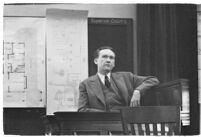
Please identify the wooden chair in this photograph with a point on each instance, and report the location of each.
(151, 120)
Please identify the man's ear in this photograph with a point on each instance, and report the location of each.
(96, 61)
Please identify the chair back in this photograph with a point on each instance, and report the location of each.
(151, 120)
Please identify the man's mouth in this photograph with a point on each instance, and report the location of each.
(107, 65)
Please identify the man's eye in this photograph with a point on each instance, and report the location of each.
(105, 56)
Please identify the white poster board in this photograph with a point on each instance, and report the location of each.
(24, 62)
(67, 57)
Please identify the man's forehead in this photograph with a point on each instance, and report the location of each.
(107, 52)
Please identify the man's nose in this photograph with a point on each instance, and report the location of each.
(108, 59)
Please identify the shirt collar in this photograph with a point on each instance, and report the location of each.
(102, 77)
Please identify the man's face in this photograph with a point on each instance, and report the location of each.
(105, 61)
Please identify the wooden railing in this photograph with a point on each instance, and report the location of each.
(173, 93)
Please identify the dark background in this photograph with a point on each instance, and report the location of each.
(118, 35)
(167, 48)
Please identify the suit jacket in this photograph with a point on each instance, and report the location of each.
(91, 98)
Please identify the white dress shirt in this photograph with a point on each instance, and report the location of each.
(102, 77)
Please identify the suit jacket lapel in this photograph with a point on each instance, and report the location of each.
(96, 87)
(121, 85)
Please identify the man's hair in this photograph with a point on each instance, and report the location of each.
(96, 53)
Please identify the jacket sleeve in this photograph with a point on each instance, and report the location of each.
(83, 103)
(143, 83)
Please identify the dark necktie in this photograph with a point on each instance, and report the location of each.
(107, 82)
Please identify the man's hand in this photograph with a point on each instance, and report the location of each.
(135, 100)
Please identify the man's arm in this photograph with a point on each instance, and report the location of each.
(141, 84)
(83, 103)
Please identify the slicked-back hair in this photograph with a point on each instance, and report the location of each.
(96, 53)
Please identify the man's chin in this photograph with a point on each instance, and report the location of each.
(108, 70)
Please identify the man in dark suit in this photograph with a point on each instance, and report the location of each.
(107, 91)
